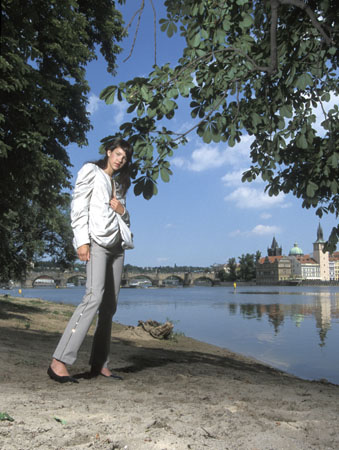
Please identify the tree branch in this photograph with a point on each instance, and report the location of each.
(273, 37)
(181, 135)
(139, 11)
(302, 5)
(155, 32)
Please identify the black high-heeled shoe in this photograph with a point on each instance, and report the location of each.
(60, 379)
(96, 372)
(113, 375)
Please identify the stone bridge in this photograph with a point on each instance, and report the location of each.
(173, 278)
(59, 278)
(129, 279)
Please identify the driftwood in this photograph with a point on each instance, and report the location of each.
(156, 329)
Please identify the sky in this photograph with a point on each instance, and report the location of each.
(205, 214)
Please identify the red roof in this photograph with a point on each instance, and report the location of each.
(306, 259)
(271, 259)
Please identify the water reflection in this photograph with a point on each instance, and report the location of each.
(324, 308)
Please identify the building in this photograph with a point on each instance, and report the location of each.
(321, 257)
(334, 266)
(274, 250)
(272, 269)
(320, 266)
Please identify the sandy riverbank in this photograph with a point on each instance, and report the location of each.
(176, 394)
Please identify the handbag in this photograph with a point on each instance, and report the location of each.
(125, 232)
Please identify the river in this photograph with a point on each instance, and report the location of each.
(295, 329)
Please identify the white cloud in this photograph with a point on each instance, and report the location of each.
(94, 103)
(239, 155)
(119, 112)
(207, 157)
(245, 197)
(265, 229)
(211, 156)
(234, 178)
(258, 230)
(178, 162)
(265, 216)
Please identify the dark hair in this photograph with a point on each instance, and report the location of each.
(124, 177)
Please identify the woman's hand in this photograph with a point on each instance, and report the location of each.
(83, 252)
(117, 206)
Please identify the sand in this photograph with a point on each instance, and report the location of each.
(175, 394)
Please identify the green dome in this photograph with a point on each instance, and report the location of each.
(296, 251)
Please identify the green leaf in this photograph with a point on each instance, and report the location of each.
(5, 416)
(286, 111)
(131, 108)
(194, 41)
(141, 109)
(108, 94)
(148, 191)
(164, 174)
(145, 93)
(301, 141)
(334, 187)
(207, 135)
(303, 81)
(311, 189)
(326, 97)
(139, 186)
(333, 160)
(247, 21)
(151, 112)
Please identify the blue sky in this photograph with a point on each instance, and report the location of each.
(204, 215)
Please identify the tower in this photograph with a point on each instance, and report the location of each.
(275, 250)
(321, 257)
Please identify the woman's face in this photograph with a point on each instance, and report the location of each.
(116, 159)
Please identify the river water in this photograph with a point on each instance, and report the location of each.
(295, 329)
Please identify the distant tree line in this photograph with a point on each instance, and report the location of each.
(53, 265)
(244, 270)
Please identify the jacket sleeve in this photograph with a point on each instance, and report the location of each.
(125, 217)
(80, 204)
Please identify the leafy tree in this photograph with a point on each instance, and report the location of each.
(222, 275)
(232, 267)
(45, 46)
(247, 267)
(257, 256)
(249, 67)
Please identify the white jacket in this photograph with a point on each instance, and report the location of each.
(91, 214)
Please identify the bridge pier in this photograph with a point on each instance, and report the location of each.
(26, 284)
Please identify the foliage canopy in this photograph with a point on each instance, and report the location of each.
(257, 68)
(45, 46)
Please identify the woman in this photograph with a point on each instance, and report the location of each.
(95, 205)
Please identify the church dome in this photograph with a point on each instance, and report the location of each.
(296, 251)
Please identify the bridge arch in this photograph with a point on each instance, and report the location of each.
(44, 280)
(78, 279)
(203, 281)
(172, 280)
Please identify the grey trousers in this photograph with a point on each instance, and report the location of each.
(104, 272)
